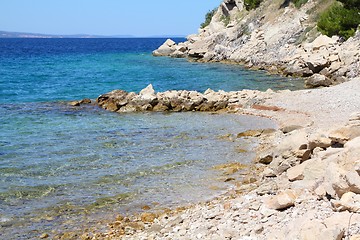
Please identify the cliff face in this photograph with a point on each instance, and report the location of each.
(276, 36)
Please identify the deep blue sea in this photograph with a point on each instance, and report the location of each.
(63, 168)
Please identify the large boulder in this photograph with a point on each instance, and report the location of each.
(322, 41)
(166, 49)
(317, 80)
(113, 100)
(282, 200)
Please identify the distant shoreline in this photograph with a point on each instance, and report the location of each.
(5, 34)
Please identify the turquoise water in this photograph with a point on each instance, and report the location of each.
(63, 168)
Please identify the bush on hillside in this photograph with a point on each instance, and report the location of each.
(299, 3)
(340, 19)
(252, 4)
(349, 4)
(209, 15)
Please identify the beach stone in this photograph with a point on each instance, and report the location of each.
(250, 133)
(319, 140)
(290, 128)
(320, 191)
(148, 217)
(265, 158)
(349, 202)
(74, 103)
(268, 172)
(353, 179)
(344, 134)
(44, 235)
(317, 80)
(282, 200)
(296, 172)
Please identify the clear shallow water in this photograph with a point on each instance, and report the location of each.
(61, 166)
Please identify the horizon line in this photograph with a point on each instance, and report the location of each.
(9, 34)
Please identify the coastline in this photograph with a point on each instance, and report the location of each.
(307, 185)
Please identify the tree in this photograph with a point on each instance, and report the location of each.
(252, 4)
(209, 15)
(340, 19)
(351, 4)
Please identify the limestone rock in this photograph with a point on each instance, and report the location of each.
(296, 172)
(315, 229)
(113, 100)
(74, 103)
(290, 128)
(319, 140)
(344, 134)
(317, 80)
(322, 41)
(353, 180)
(148, 93)
(167, 48)
(282, 200)
(348, 202)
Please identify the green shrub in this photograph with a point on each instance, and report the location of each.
(338, 20)
(209, 15)
(252, 4)
(349, 4)
(299, 3)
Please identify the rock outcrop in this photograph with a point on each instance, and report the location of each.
(179, 101)
(282, 39)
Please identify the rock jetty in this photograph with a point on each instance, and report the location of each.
(179, 101)
(276, 37)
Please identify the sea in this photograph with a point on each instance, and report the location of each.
(65, 168)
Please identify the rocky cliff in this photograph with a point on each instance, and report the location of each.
(278, 37)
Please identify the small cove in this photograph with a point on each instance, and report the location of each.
(55, 172)
(63, 167)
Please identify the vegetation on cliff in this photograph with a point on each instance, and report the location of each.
(342, 19)
(252, 4)
(209, 15)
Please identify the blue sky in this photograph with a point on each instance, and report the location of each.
(104, 17)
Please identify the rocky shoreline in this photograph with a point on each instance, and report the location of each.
(308, 171)
(280, 39)
(307, 183)
(178, 101)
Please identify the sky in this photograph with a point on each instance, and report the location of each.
(105, 17)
